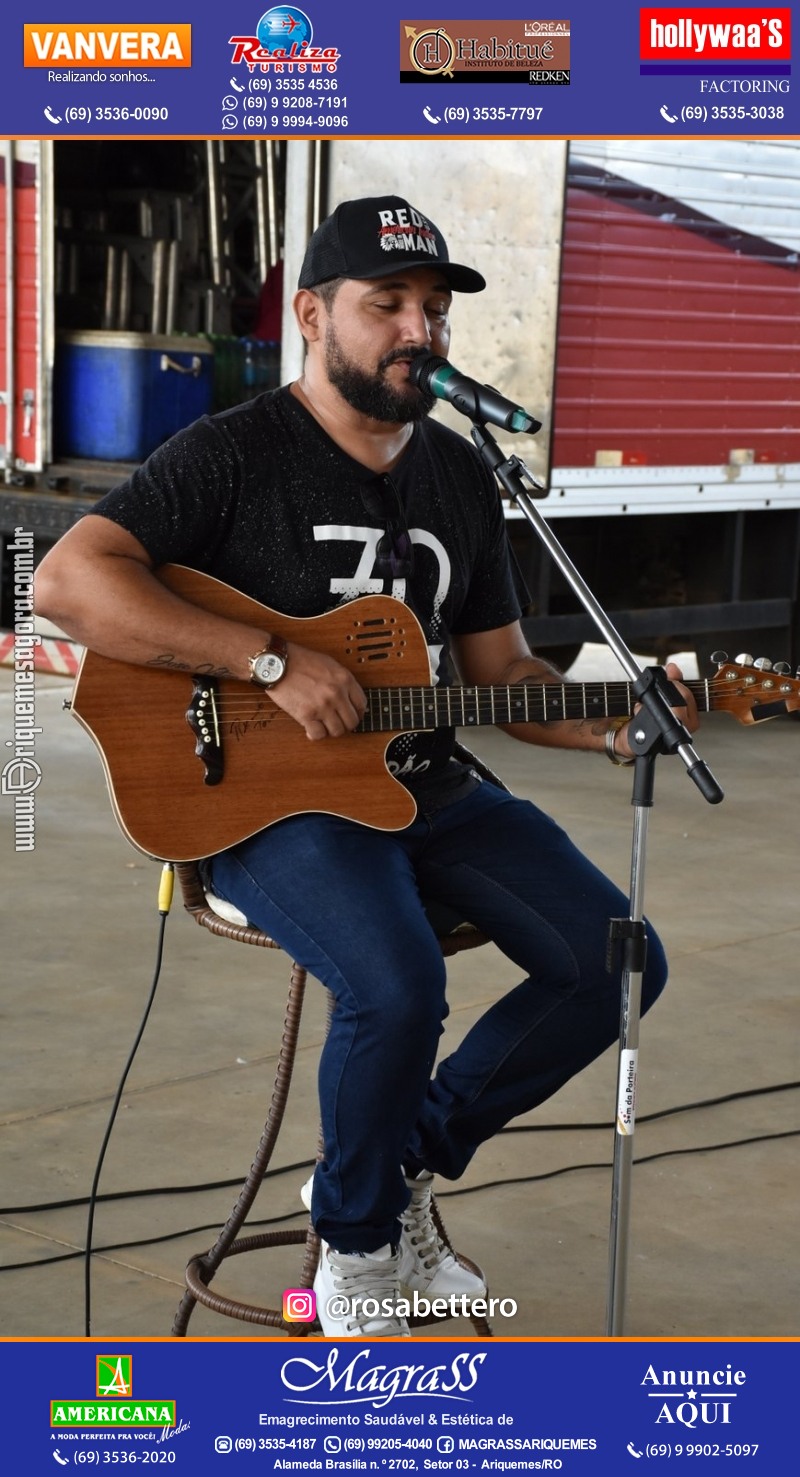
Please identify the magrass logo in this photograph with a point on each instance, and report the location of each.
(283, 43)
(114, 1407)
(356, 1381)
(687, 39)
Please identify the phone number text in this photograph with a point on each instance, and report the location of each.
(698, 112)
(117, 115)
(92, 1458)
(316, 122)
(702, 1448)
(498, 114)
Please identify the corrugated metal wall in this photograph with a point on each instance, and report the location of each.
(679, 320)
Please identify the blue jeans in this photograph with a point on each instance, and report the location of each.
(346, 901)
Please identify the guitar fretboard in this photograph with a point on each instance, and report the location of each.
(391, 709)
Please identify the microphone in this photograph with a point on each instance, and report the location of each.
(480, 402)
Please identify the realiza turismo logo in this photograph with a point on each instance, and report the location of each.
(687, 39)
(283, 43)
(113, 1408)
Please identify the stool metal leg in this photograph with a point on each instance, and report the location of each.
(201, 1269)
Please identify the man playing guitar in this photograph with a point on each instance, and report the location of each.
(335, 487)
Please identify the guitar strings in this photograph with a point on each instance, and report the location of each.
(485, 696)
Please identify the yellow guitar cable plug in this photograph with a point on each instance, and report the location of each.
(166, 888)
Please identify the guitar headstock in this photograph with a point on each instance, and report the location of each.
(754, 690)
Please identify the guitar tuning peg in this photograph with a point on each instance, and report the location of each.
(719, 658)
(763, 664)
(744, 659)
(782, 669)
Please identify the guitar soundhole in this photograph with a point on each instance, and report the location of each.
(376, 640)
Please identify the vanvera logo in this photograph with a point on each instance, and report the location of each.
(720, 34)
(358, 1382)
(69, 45)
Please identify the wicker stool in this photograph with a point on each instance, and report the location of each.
(203, 1267)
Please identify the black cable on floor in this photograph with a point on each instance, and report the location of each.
(227, 1184)
(164, 905)
(526, 1179)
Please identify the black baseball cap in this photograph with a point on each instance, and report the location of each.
(376, 237)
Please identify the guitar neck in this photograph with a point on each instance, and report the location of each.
(390, 709)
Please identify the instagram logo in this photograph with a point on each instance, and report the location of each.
(299, 1305)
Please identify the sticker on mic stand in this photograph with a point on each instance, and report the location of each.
(626, 1101)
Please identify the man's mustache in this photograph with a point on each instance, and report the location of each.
(396, 355)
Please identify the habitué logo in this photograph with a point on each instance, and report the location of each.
(533, 52)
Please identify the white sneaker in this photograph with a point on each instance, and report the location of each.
(427, 1264)
(357, 1294)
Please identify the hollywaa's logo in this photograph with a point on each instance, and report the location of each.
(114, 1408)
(283, 43)
(360, 1383)
(715, 34)
(692, 1397)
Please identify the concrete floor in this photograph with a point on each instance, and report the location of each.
(713, 1246)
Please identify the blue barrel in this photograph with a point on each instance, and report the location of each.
(117, 396)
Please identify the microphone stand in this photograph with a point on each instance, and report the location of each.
(655, 730)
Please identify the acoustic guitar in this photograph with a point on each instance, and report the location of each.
(196, 764)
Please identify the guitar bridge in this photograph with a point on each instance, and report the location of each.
(202, 717)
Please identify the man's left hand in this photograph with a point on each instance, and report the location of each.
(687, 712)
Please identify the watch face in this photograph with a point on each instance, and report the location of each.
(268, 668)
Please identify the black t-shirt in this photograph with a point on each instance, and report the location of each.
(262, 498)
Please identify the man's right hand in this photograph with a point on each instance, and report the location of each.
(319, 694)
(98, 584)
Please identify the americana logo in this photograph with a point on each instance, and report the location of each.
(114, 1408)
(114, 1375)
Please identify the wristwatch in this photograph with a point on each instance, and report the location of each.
(269, 665)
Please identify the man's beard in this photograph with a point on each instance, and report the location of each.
(371, 394)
